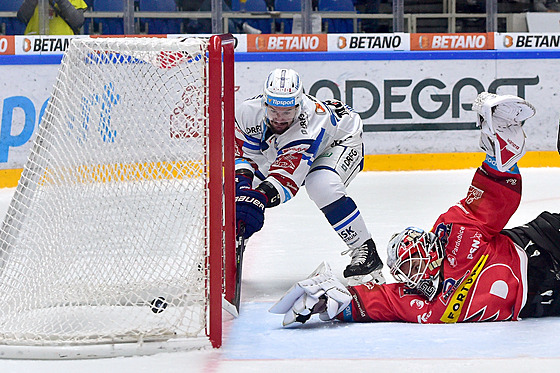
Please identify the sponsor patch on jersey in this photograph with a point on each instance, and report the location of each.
(475, 244)
(319, 109)
(474, 194)
(255, 130)
(359, 306)
(424, 318)
(449, 287)
(442, 232)
(325, 155)
(452, 260)
(288, 162)
(453, 309)
(417, 303)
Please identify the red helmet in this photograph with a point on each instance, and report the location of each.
(414, 257)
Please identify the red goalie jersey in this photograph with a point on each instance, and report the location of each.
(484, 273)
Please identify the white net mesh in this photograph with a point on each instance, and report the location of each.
(110, 213)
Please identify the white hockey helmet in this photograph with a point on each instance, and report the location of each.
(283, 88)
(414, 257)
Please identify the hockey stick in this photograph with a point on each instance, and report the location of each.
(159, 304)
(239, 249)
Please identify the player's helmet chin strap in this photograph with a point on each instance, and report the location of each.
(423, 253)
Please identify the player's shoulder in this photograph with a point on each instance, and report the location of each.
(313, 106)
(331, 103)
(253, 100)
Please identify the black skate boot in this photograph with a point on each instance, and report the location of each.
(365, 265)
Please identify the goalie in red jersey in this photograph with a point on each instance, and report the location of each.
(467, 268)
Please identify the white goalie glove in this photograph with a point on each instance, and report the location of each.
(320, 293)
(501, 118)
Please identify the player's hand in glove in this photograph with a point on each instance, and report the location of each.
(249, 206)
(500, 118)
(320, 293)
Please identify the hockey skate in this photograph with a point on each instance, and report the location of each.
(365, 265)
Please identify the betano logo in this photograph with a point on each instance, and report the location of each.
(369, 42)
(508, 41)
(532, 41)
(26, 45)
(287, 43)
(341, 43)
(45, 44)
(472, 41)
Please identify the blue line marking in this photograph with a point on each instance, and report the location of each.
(397, 55)
(55, 59)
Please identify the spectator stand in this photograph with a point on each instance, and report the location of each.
(106, 17)
(420, 16)
(338, 7)
(157, 25)
(9, 24)
(253, 7)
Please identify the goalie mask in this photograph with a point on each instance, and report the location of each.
(414, 257)
(282, 98)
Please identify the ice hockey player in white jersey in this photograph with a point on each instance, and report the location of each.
(285, 139)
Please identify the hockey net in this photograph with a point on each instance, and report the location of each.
(113, 242)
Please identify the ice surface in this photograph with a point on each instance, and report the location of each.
(295, 239)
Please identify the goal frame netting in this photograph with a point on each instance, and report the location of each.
(220, 226)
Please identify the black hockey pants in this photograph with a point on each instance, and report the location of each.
(540, 239)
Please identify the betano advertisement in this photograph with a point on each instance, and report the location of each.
(411, 102)
(27, 45)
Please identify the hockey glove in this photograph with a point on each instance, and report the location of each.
(500, 118)
(242, 181)
(320, 293)
(249, 207)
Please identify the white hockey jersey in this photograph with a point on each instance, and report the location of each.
(284, 160)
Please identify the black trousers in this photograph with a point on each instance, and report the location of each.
(540, 239)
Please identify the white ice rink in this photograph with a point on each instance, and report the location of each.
(295, 239)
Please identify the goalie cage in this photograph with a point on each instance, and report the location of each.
(113, 243)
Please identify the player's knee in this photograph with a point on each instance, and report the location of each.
(324, 187)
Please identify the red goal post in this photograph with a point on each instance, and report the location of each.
(222, 220)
